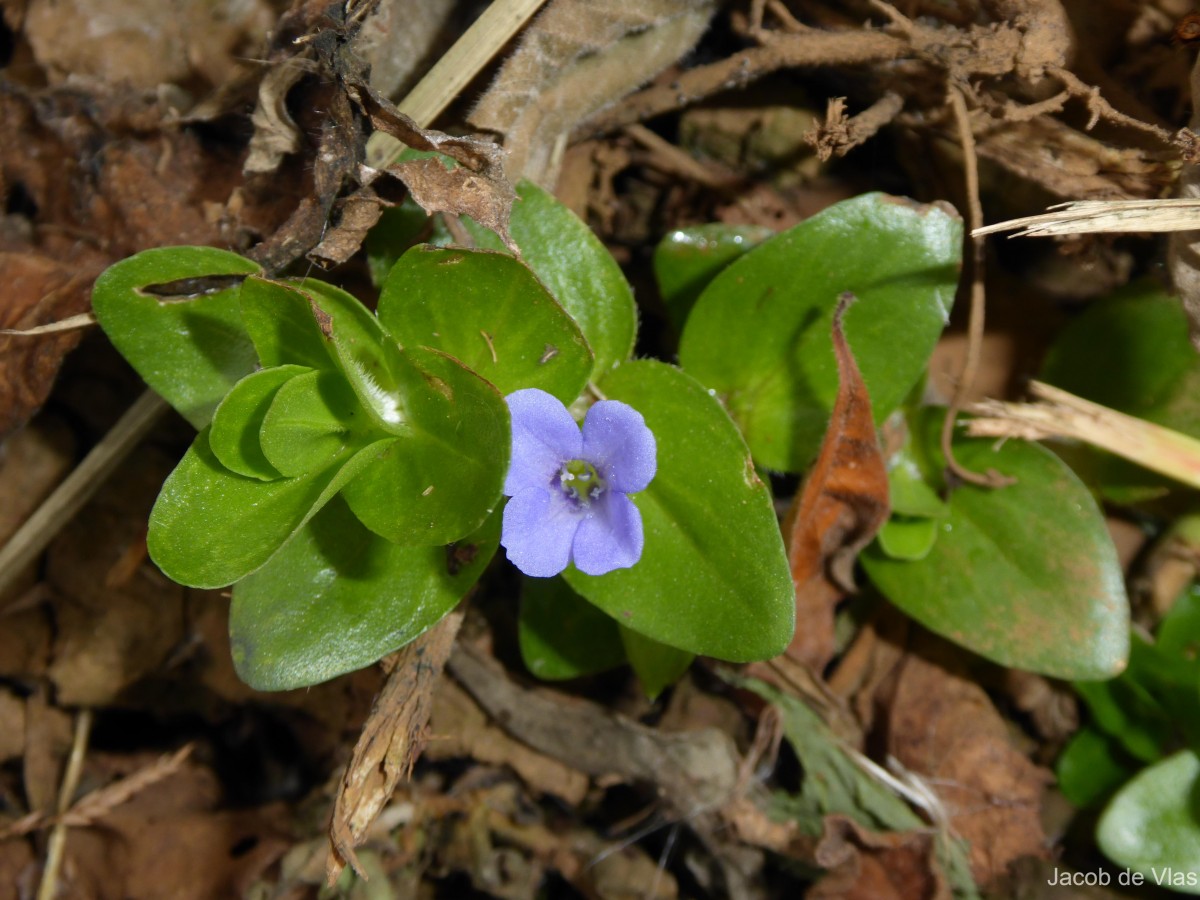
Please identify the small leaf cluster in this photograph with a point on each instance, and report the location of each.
(347, 475)
(1026, 576)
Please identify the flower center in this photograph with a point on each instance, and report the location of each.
(580, 481)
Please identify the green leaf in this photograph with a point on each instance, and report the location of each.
(687, 259)
(657, 665)
(312, 419)
(399, 228)
(234, 436)
(191, 351)
(445, 475)
(909, 494)
(1126, 711)
(1154, 702)
(573, 264)
(1179, 632)
(1131, 352)
(280, 321)
(908, 539)
(1026, 575)
(1091, 767)
(562, 635)
(385, 380)
(211, 527)
(490, 312)
(1152, 825)
(760, 333)
(713, 578)
(337, 598)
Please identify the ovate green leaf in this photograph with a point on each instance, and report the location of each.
(687, 259)
(905, 538)
(211, 527)
(713, 578)
(1025, 575)
(312, 420)
(280, 321)
(760, 333)
(573, 264)
(658, 666)
(1152, 825)
(235, 434)
(444, 476)
(337, 598)
(1091, 767)
(490, 312)
(191, 349)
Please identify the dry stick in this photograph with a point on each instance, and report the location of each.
(1063, 415)
(71, 323)
(454, 71)
(78, 487)
(58, 837)
(975, 323)
(676, 161)
(809, 48)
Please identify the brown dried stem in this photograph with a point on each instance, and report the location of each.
(975, 325)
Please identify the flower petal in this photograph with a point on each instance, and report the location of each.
(618, 443)
(538, 530)
(609, 537)
(544, 436)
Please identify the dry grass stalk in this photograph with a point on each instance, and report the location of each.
(1063, 415)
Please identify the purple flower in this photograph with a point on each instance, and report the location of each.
(568, 489)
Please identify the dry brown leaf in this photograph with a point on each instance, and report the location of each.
(352, 218)
(110, 634)
(145, 43)
(38, 290)
(275, 133)
(391, 739)
(12, 726)
(47, 742)
(175, 835)
(98, 804)
(32, 462)
(843, 504)
(942, 726)
(18, 866)
(89, 179)
(863, 865)
(477, 187)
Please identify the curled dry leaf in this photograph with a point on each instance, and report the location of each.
(843, 504)
(275, 133)
(942, 726)
(390, 741)
(477, 187)
(38, 290)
